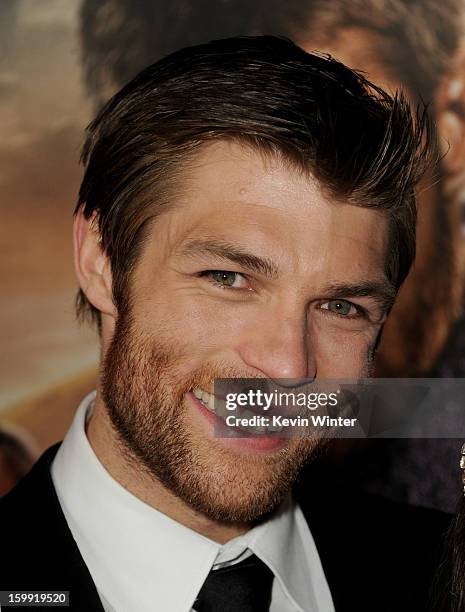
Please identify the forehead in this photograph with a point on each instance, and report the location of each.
(235, 193)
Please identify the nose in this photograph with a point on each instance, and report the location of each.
(280, 347)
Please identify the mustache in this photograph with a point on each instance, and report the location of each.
(205, 376)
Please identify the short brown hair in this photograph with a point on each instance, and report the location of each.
(363, 146)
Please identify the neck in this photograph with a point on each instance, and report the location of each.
(134, 477)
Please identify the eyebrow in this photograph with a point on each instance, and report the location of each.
(229, 252)
(382, 291)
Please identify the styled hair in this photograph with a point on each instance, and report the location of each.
(363, 146)
(415, 38)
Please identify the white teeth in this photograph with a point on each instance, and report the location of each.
(207, 399)
(211, 403)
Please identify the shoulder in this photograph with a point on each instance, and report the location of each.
(379, 553)
(38, 549)
(32, 502)
(30, 520)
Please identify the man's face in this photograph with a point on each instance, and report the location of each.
(252, 274)
(418, 325)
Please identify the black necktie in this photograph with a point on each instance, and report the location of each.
(243, 587)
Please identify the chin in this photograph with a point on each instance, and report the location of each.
(231, 488)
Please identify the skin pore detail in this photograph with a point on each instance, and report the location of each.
(254, 273)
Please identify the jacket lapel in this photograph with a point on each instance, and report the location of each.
(39, 549)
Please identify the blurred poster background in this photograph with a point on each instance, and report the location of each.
(43, 111)
(60, 60)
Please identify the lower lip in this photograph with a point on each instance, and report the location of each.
(235, 438)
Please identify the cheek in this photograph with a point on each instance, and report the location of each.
(200, 329)
(341, 353)
(199, 326)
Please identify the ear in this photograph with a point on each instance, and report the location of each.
(450, 116)
(91, 264)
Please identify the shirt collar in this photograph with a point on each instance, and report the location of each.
(138, 555)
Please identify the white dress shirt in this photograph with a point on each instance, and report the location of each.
(143, 561)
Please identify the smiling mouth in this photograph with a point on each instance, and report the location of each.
(208, 400)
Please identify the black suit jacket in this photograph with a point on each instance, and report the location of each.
(377, 555)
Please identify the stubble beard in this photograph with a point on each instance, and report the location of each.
(143, 387)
